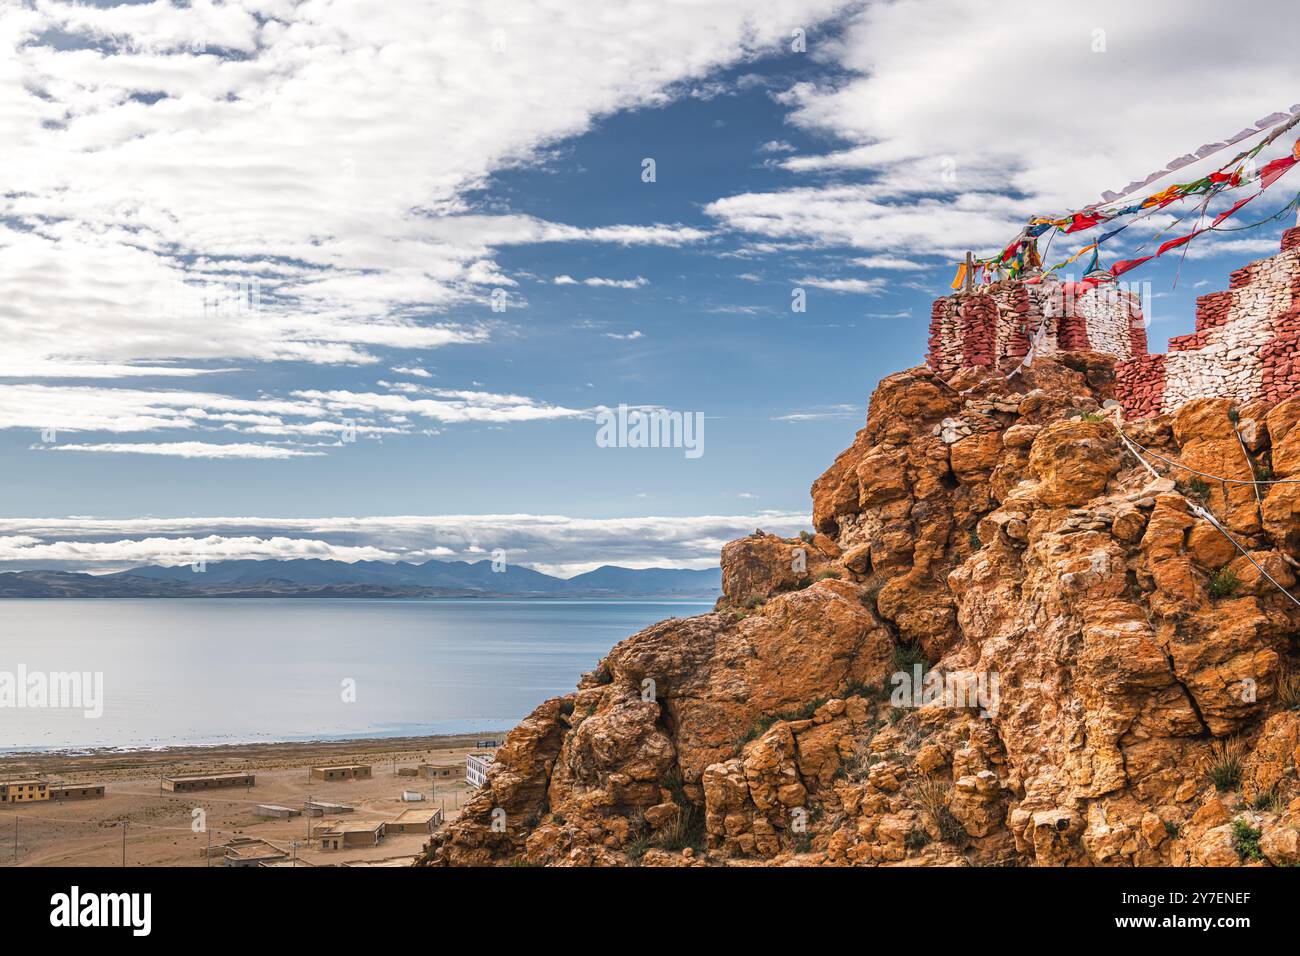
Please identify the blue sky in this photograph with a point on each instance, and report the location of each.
(378, 171)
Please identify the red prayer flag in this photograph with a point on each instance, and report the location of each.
(1275, 171)
(1228, 212)
(1175, 243)
(1081, 221)
(1124, 265)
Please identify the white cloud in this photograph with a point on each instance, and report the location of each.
(628, 337)
(318, 161)
(552, 543)
(861, 286)
(887, 262)
(822, 414)
(960, 150)
(191, 449)
(636, 283)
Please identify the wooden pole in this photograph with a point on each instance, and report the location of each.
(970, 271)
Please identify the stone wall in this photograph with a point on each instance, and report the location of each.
(1244, 346)
(992, 326)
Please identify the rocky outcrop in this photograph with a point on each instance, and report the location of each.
(1005, 641)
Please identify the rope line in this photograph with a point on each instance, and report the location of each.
(1204, 474)
(1203, 513)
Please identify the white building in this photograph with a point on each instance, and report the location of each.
(477, 767)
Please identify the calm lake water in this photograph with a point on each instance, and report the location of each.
(213, 671)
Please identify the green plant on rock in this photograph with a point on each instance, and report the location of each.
(1196, 488)
(806, 537)
(1245, 839)
(1224, 583)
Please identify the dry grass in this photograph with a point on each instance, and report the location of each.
(931, 798)
(1223, 766)
(1288, 689)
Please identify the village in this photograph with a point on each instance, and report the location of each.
(357, 803)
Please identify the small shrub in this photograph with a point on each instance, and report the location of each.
(1172, 830)
(907, 655)
(1268, 800)
(916, 839)
(829, 573)
(806, 537)
(856, 688)
(1196, 488)
(1245, 839)
(1224, 764)
(635, 849)
(1096, 417)
(1234, 415)
(975, 542)
(802, 842)
(755, 602)
(1263, 473)
(1224, 583)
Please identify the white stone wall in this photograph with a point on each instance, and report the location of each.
(1228, 364)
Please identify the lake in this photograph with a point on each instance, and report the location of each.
(186, 672)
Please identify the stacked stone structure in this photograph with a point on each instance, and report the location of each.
(1246, 344)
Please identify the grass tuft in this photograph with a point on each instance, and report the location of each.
(931, 798)
(1224, 764)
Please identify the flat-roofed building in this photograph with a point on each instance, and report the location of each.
(24, 791)
(76, 791)
(437, 771)
(207, 781)
(415, 821)
(353, 771)
(273, 811)
(319, 808)
(249, 851)
(349, 834)
(477, 767)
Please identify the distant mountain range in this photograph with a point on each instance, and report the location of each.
(319, 578)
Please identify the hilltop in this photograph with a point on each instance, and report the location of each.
(1111, 681)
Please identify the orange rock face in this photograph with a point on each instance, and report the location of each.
(1007, 643)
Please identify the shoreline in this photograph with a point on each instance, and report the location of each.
(112, 761)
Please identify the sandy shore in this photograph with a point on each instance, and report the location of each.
(160, 827)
